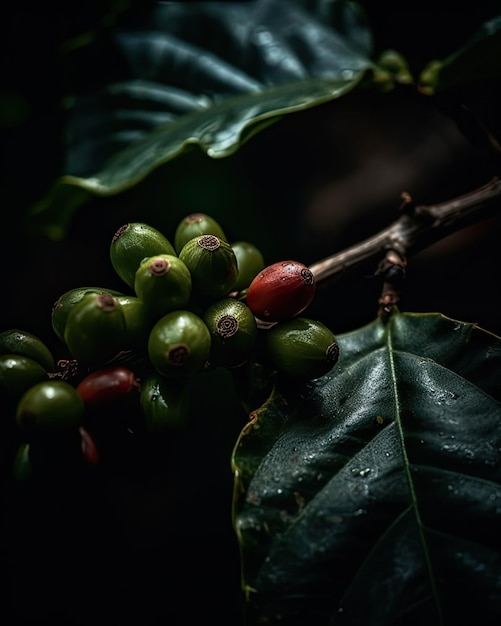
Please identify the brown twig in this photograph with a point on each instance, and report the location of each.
(392, 268)
(416, 228)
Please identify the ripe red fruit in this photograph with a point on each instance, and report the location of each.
(107, 384)
(89, 449)
(281, 291)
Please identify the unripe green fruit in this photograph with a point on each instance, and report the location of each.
(212, 264)
(164, 404)
(131, 244)
(15, 341)
(179, 344)
(52, 406)
(250, 262)
(194, 225)
(22, 470)
(64, 304)
(233, 330)
(163, 283)
(302, 348)
(49, 454)
(95, 329)
(137, 322)
(18, 373)
(395, 64)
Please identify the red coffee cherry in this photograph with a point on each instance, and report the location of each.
(106, 385)
(90, 451)
(281, 291)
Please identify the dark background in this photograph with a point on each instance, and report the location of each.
(150, 536)
(342, 169)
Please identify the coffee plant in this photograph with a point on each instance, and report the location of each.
(250, 351)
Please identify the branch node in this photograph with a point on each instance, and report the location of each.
(392, 269)
(407, 204)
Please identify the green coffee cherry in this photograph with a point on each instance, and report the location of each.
(163, 283)
(48, 454)
(194, 225)
(22, 470)
(52, 406)
(95, 329)
(179, 344)
(131, 244)
(212, 264)
(137, 322)
(15, 341)
(233, 330)
(164, 404)
(63, 305)
(18, 373)
(250, 262)
(396, 65)
(302, 348)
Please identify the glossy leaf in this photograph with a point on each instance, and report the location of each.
(206, 75)
(372, 495)
(477, 61)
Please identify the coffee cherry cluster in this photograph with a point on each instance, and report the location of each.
(189, 303)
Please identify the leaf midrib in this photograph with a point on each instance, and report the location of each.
(407, 470)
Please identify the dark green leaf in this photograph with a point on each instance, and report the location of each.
(204, 74)
(372, 495)
(476, 62)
